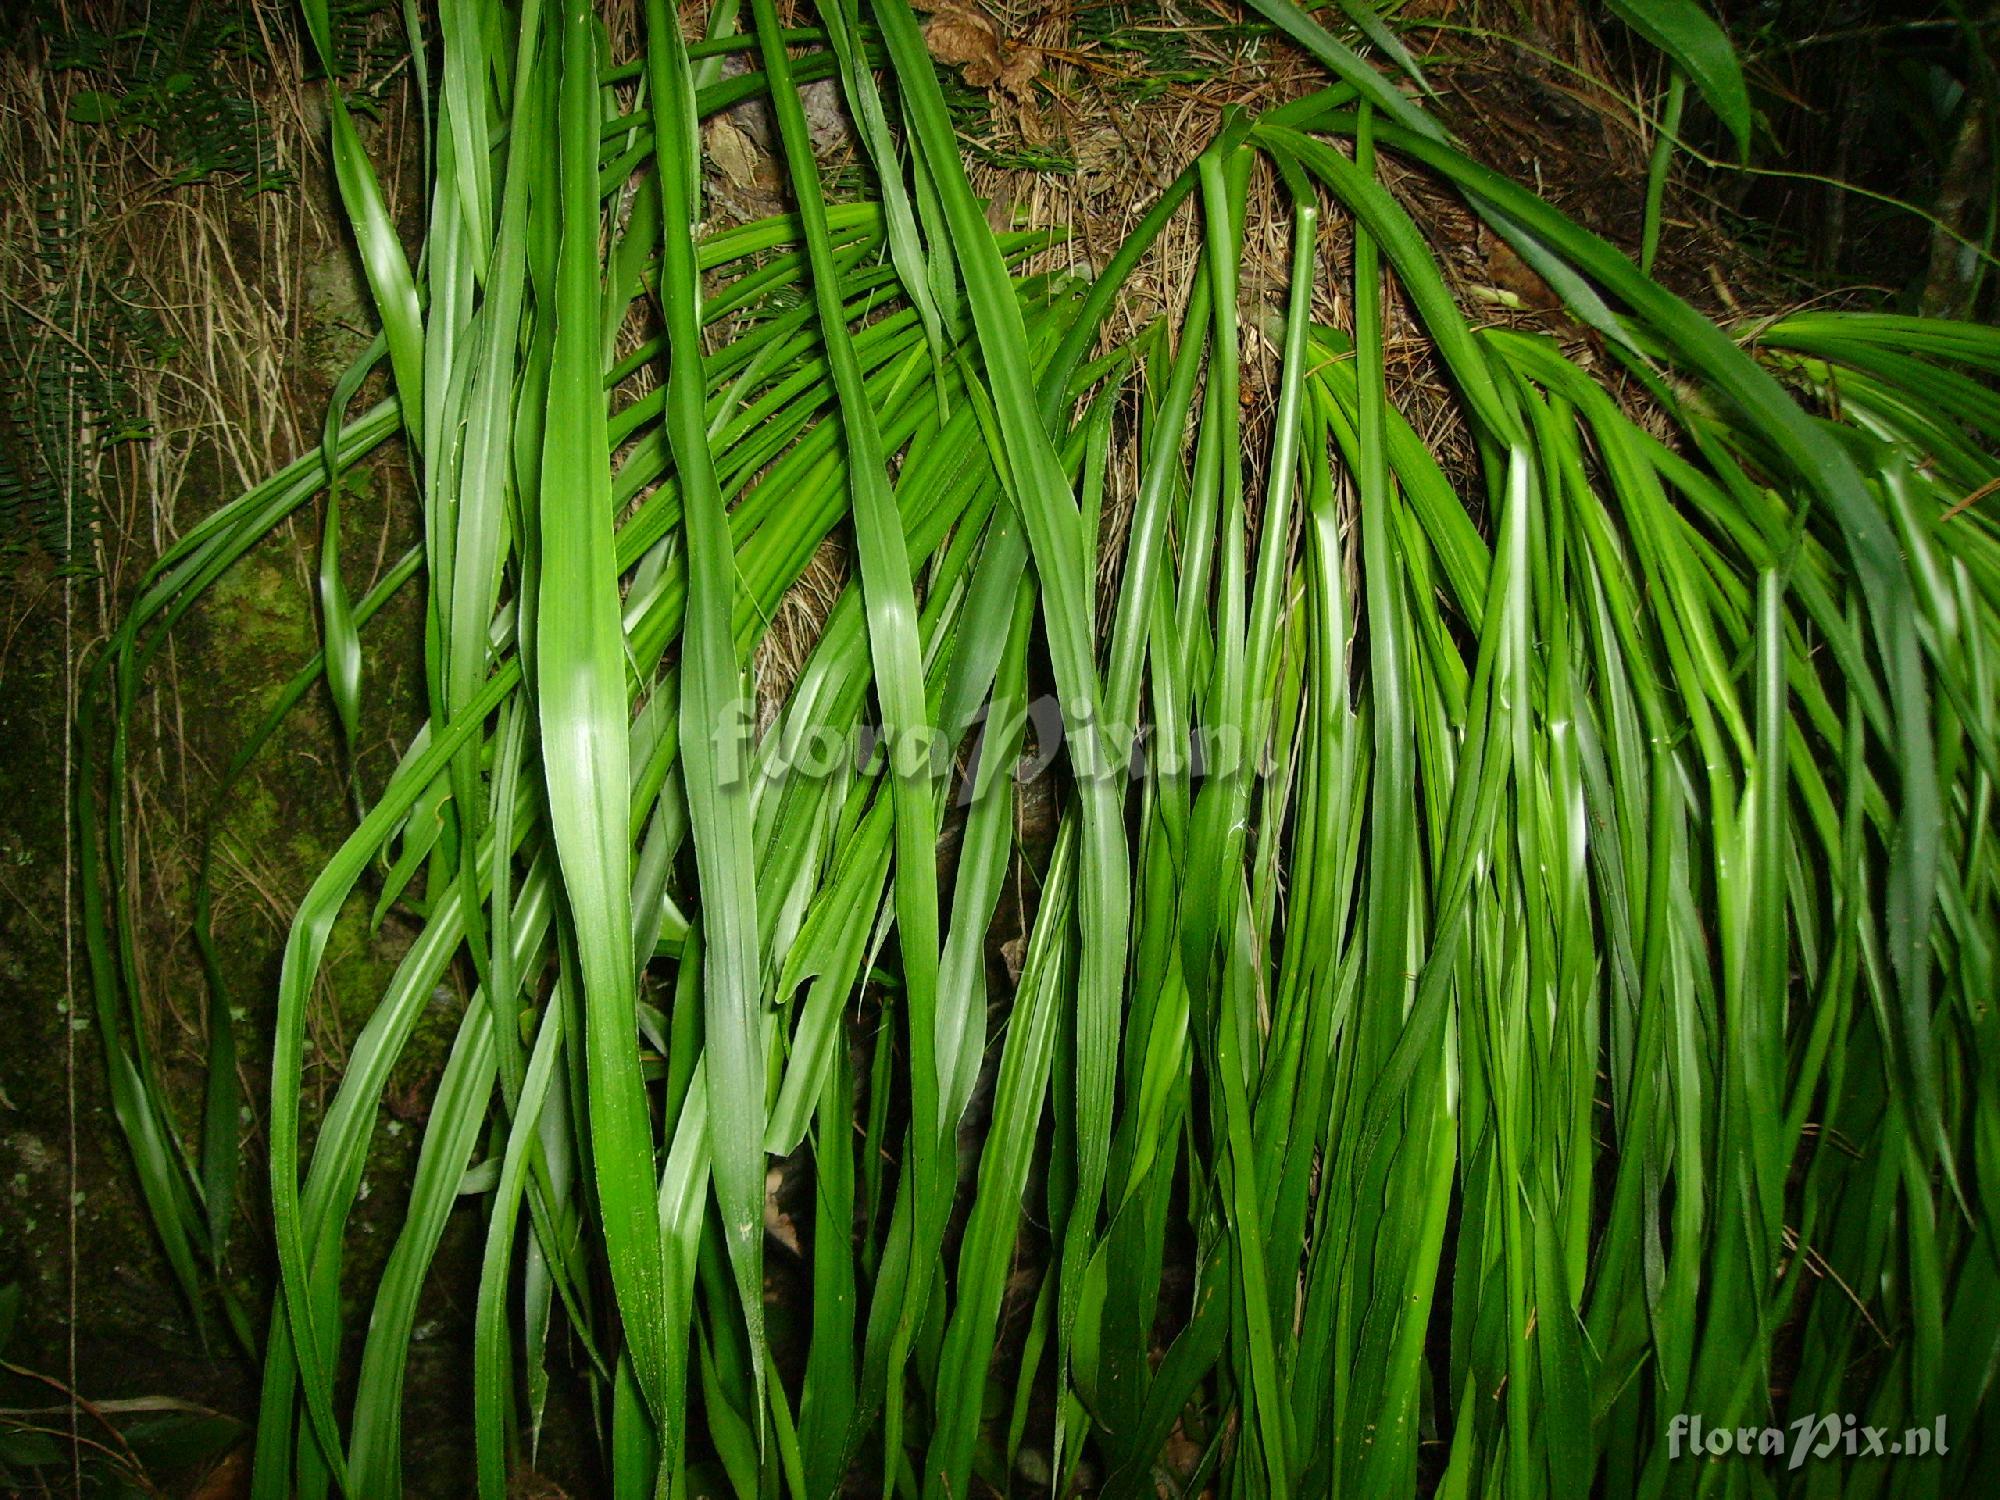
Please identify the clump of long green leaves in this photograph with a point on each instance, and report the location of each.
(1560, 1000)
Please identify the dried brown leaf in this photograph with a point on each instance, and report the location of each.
(735, 155)
(962, 38)
(968, 40)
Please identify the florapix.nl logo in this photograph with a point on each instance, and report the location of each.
(1817, 1435)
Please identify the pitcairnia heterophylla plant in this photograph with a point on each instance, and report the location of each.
(1570, 1006)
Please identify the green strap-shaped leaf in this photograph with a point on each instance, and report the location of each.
(1053, 523)
(713, 713)
(1696, 44)
(1832, 477)
(382, 259)
(580, 693)
(1347, 65)
(888, 593)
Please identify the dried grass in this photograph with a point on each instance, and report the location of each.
(255, 307)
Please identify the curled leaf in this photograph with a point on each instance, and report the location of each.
(969, 41)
